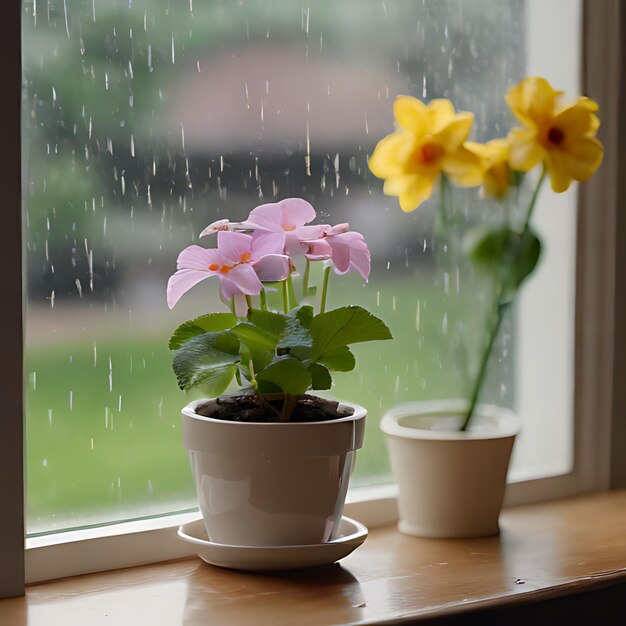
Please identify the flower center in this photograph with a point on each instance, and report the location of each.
(430, 153)
(225, 269)
(245, 257)
(213, 267)
(556, 136)
(289, 227)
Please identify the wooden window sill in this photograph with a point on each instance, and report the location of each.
(543, 551)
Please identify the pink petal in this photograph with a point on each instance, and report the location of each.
(318, 250)
(338, 229)
(296, 212)
(351, 236)
(293, 247)
(228, 289)
(245, 279)
(198, 258)
(234, 245)
(267, 216)
(273, 268)
(341, 254)
(241, 306)
(360, 258)
(182, 282)
(215, 227)
(264, 243)
(306, 233)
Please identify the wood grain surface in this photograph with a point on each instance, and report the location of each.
(543, 551)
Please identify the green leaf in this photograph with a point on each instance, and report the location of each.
(272, 323)
(296, 332)
(212, 322)
(256, 338)
(207, 361)
(343, 326)
(512, 255)
(304, 314)
(288, 374)
(320, 377)
(487, 246)
(339, 360)
(259, 337)
(525, 260)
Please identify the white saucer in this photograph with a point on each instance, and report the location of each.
(350, 535)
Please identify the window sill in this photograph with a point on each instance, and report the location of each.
(544, 550)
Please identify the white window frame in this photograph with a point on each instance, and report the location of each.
(138, 542)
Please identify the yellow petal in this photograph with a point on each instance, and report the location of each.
(576, 121)
(479, 149)
(411, 114)
(579, 160)
(411, 190)
(464, 168)
(492, 152)
(496, 182)
(455, 132)
(559, 180)
(390, 155)
(532, 101)
(525, 152)
(440, 112)
(501, 148)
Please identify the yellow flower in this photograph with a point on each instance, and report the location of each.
(495, 158)
(562, 137)
(429, 141)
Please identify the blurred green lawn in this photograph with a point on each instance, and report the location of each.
(103, 433)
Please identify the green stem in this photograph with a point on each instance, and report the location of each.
(232, 306)
(500, 309)
(305, 280)
(249, 302)
(484, 360)
(324, 289)
(293, 303)
(263, 300)
(443, 186)
(285, 298)
(533, 201)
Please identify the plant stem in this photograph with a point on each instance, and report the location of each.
(533, 201)
(324, 289)
(289, 405)
(285, 298)
(500, 310)
(443, 186)
(305, 280)
(249, 302)
(293, 303)
(263, 300)
(484, 360)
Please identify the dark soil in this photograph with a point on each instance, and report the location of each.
(249, 408)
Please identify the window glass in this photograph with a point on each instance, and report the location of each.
(145, 120)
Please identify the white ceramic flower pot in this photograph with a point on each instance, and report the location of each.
(451, 483)
(271, 484)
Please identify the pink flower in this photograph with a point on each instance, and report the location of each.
(241, 262)
(220, 225)
(289, 218)
(346, 249)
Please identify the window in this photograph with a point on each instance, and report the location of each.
(145, 121)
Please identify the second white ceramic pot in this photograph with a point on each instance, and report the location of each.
(272, 484)
(451, 483)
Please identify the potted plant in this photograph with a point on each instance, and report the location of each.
(270, 461)
(450, 459)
